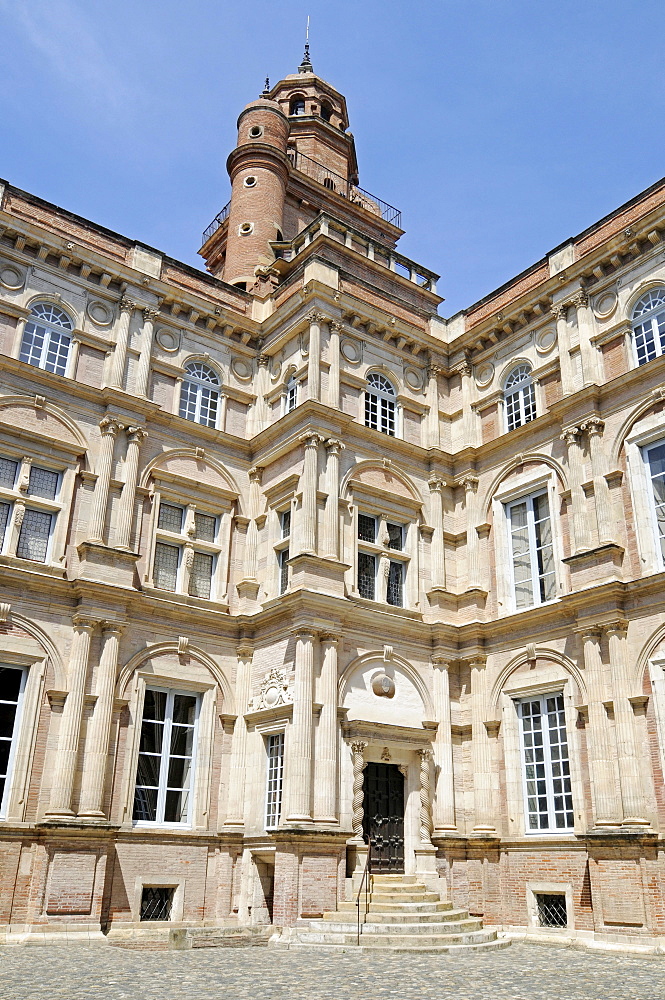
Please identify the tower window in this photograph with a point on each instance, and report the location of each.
(297, 106)
(328, 183)
(250, 181)
(256, 131)
(326, 112)
(245, 228)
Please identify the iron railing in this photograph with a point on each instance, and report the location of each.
(340, 185)
(216, 222)
(367, 874)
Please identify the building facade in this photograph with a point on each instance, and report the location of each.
(289, 561)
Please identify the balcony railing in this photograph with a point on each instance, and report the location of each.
(216, 222)
(340, 185)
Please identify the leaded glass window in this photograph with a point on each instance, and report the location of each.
(206, 527)
(43, 483)
(183, 567)
(12, 683)
(200, 577)
(649, 326)
(8, 471)
(199, 396)
(546, 764)
(285, 519)
(5, 511)
(519, 397)
(656, 467)
(165, 771)
(283, 570)
(395, 536)
(167, 561)
(394, 593)
(380, 404)
(170, 517)
(366, 528)
(275, 775)
(47, 338)
(532, 552)
(34, 535)
(367, 575)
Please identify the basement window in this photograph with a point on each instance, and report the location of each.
(552, 911)
(156, 902)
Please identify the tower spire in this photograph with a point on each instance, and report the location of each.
(306, 64)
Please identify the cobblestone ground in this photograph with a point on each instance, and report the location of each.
(523, 972)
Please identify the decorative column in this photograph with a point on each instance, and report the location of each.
(252, 537)
(331, 515)
(315, 320)
(433, 439)
(473, 569)
(481, 751)
(235, 809)
(135, 435)
(470, 420)
(438, 550)
(579, 523)
(600, 751)
(299, 766)
(64, 766)
(260, 409)
(630, 777)
(590, 359)
(325, 784)
(143, 368)
(97, 520)
(97, 743)
(594, 428)
(560, 312)
(336, 330)
(358, 748)
(119, 357)
(308, 489)
(444, 795)
(425, 796)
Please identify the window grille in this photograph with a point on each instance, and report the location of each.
(5, 510)
(275, 748)
(285, 518)
(519, 397)
(200, 577)
(165, 572)
(394, 593)
(34, 535)
(170, 517)
(366, 575)
(205, 526)
(291, 395)
(12, 682)
(395, 536)
(552, 910)
(656, 463)
(546, 765)
(8, 471)
(649, 326)
(380, 404)
(164, 776)
(283, 571)
(44, 344)
(532, 552)
(199, 396)
(43, 483)
(366, 528)
(156, 902)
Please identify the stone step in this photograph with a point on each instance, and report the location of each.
(346, 927)
(396, 940)
(402, 897)
(378, 917)
(407, 907)
(449, 949)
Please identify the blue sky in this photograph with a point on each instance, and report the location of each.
(498, 127)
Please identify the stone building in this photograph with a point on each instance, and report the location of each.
(288, 559)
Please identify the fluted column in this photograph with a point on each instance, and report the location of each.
(299, 765)
(235, 810)
(308, 489)
(260, 412)
(433, 434)
(315, 320)
(444, 793)
(325, 784)
(331, 515)
(425, 795)
(252, 537)
(606, 531)
(470, 422)
(135, 435)
(143, 368)
(473, 570)
(358, 748)
(97, 520)
(579, 522)
(336, 330)
(119, 358)
(64, 766)
(99, 729)
(590, 359)
(630, 778)
(560, 312)
(481, 752)
(601, 752)
(438, 568)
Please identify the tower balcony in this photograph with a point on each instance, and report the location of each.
(343, 187)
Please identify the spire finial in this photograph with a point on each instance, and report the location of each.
(306, 64)
(266, 88)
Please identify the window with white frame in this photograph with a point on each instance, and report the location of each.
(186, 550)
(291, 395)
(274, 779)
(548, 796)
(28, 510)
(380, 404)
(282, 550)
(649, 326)
(12, 685)
(654, 455)
(531, 550)
(381, 548)
(199, 395)
(47, 338)
(519, 397)
(165, 772)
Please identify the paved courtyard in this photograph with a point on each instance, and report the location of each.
(523, 972)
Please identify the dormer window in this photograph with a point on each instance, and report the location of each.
(297, 106)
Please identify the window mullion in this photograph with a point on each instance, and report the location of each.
(164, 762)
(533, 554)
(544, 714)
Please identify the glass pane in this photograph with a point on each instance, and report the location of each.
(188, 399)
(152, 736)
(182, 740)
(518, 513)
(154, 705)
(394, 590)
(366, 528)
(32, 344)
(170, 517)
(177, 805)
(34, 535)
(43, 483)
(167, 558)
(283, 570)
(184, 709)
(57, 351)
(200, 577)
(145, 805)
(366, 575)
(8, 471)
(286, 523)
(10, 683)
(395, 533)
(179, 772)
(148, 769)
(5, 510)
(206, 527)
(208, 399)
(7, 717)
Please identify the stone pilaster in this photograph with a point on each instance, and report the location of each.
(119, 357)
(110, 427)
(473, 570)
(600, 749)
(237, 777)
(433, 433)
(143, 369)
(630, 771)
(438, 561)
(325, 770)
(315, 320)
(590, 358)
(444, 794)
(579, 522)
(606, 532)
(481, 752)
(560, 312)
(336, 331)
(308, 489)
(331, 516)
(299, 759)
(135, 436)
(252, 537)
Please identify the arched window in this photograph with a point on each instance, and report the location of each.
(199, 397)
(519, 397)
(326, 112)
(47, 338)
(380, 404)
(297, 106)
(649, 326)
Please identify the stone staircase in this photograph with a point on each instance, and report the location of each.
(402, 916)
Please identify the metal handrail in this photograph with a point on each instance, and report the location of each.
(364, 880)
(221, 217)
(342, 186)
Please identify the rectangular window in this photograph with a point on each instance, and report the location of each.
(206, 527)
(156, 902)
(291, 396)
(275, 749)
(283, 571)
(394, 592)
(12, 683)
(164, 776)
(5, 511)
(8, 471)
(43, 483)
(552, 910)
(366, 528)
(656, 467)
(170, 517)
(285, 519)
(200, 577)
(34, 535)
(531, 550)
(167, 560)
(395, 536)
(546, 766)
(367, 575)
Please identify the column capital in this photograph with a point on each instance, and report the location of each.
(305, 632)
(150, 314)
(245, 650)
(590, 633)
(334, 446)
(570, 435)
(593, 426)
(425, 753)
(263, 360)
(315, 316)
(436, 483)
(581, 298)
(328, 639)
(358, 746)
(127, 305)
(255, 474)
(83, 622)
(477, 661)
(311, 439)
(434, 370)
(112, 628)
(137, 434)
(441, 662)
(618, 627)
(464, 368)
(559, 310)
(469, 482)
(110, 426)
(337, 327)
